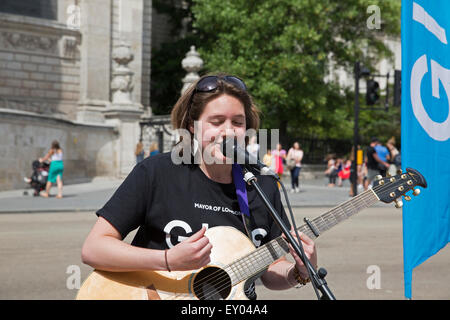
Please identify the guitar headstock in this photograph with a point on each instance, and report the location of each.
(389, 189)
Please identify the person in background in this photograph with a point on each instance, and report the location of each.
(339, 164)
(331, 172)
(383, 154)
(154, 149)
(253, 147)
(393, 157)
(344, 173)
(374, 163)
(268, 160)
(295, 155)
(279, 155)
(55, 155)
(139, 152)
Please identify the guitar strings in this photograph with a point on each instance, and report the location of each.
(379, 194)
(257, 254)
(221, 284)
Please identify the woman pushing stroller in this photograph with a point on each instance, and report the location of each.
(55, 155)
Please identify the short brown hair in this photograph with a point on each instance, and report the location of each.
(191, 104)
(55, 145)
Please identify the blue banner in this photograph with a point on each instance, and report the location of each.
(426, 128)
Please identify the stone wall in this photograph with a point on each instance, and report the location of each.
(88, 149)
(56, 73)
(131, 22)
(39, 66)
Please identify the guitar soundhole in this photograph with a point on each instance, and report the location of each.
(212, 283)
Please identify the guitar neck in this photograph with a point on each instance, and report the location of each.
(261, 258)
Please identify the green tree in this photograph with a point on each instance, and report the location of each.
(282, 49)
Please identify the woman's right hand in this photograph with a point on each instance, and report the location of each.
(192, 253)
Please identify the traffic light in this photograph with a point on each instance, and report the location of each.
(397, 88)
(372, 92)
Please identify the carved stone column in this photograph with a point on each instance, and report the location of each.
(122, 76)
(192, 64)
(124, 113)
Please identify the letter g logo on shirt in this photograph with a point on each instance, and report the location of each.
(172, 224)
(178, 223)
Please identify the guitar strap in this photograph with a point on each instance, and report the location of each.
(241, 193)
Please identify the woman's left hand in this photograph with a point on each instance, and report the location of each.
(310, 251)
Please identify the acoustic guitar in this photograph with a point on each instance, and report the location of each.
(234, 258)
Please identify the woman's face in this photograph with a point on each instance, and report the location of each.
(223, 116)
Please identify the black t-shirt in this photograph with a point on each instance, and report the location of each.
(371, 162)
(170, 203)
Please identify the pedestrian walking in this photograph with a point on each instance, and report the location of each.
(374, 164)
(294, 163)
(55, 173)
(383, 154)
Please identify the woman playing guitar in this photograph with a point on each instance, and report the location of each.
(173, 203)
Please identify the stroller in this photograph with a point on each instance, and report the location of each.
(39, 177)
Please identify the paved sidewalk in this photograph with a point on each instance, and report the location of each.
(93, 195)
(89, 196)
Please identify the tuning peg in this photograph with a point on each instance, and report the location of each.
(388, 174)
(378, 177)
(399, 171)
(407, 198)
(416, 192)
(398, 203)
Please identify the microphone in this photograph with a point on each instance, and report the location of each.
(230, 149)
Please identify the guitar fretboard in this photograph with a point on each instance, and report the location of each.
(258, 260)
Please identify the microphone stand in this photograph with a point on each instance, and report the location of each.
(317, 278)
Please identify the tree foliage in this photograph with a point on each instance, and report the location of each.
(283, 48)
(167, 72)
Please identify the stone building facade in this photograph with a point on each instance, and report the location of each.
(77, 71)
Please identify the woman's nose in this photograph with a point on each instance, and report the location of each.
(228, 129)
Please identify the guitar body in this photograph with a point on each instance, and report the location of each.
(234, 259)
(229, 244)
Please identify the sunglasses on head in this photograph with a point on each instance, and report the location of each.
(211, 83)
